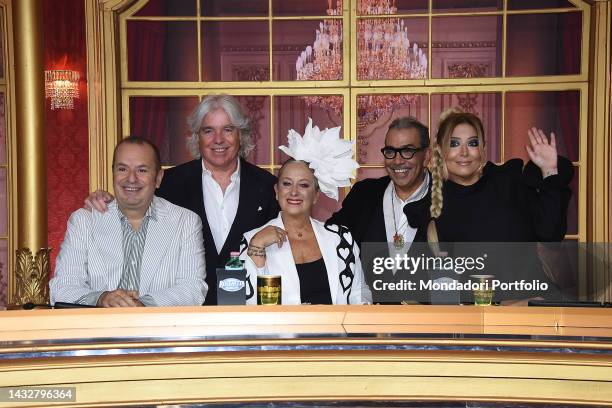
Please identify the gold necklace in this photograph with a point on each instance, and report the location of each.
(398, 239)
(298, 233)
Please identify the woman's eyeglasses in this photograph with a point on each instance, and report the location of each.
(406, 152)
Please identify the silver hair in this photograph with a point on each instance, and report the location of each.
(232, 108)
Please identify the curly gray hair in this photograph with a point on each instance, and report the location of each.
(232, 108)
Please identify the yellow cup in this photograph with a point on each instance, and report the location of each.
(269, 290)
(483, 295)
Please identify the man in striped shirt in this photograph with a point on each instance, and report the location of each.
(230, 195)
(143, 251)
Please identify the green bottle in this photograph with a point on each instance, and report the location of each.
(234, 263)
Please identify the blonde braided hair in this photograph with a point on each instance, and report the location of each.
(436, 167)
(449, 119)
(437, 178)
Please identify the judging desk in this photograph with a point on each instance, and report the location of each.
(365, 354)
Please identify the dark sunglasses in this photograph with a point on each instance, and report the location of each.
(406, 152)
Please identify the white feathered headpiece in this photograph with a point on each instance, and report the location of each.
(330, 157)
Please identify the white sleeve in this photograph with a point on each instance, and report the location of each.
(189, 288)
(71, 283)
(360, 292)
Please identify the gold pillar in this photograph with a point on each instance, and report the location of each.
(29, 283)
(600, 171)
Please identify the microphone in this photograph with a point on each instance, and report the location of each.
(30, 306)
(57, 305)
(66, 305)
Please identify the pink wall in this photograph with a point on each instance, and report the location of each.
(66, 130)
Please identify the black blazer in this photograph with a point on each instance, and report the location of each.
(362, 211)
(182, 185)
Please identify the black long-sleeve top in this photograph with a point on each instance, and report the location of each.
(507, 211)
(508, 203)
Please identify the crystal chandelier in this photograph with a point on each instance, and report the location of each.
(323, 60)
(383, 52)
(383, 47)
(62, 87)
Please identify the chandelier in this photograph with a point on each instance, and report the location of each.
(383, 47)
(383, 52)
(323, 60)
(61, 87)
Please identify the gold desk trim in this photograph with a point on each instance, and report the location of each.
(280, 369)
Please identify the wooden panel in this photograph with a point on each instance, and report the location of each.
(414, 315)
(307, 375)
(195, 354)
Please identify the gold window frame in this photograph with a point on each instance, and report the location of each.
(7, 88)
(109, 119)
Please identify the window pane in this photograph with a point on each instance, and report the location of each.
(374, 115)
(466, 47)
(2, 42)
(163, 121)
(3, 203)
(458, 6)
(257, 108)
(3, 140)
(235, 51)
(369, 7)
(3, 273)
(572, 211)
(562, 264)
(292, 112)
(370, 172)
(538, 4)
(325, 206)
(308, 50)
(487, 106)
(391, 48)
(304, 8)
(162, 51)
(169, 8)
(222, 8)
(552, 111)
(544, 44)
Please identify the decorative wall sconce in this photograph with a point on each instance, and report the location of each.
(62, 87)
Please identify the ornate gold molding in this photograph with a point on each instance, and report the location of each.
(599, 281)
(8, 62)
(104, 102)
(114, 5)
(32, 276)
(30, 158)
(312, 353)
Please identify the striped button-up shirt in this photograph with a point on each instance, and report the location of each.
(133, 247)
(172, 266)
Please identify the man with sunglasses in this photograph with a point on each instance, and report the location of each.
(374, 208)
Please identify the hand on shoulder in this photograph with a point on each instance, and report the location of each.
(98, 200)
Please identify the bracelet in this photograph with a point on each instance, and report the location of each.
(550, 173)
(256, 247)
(256, 251)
